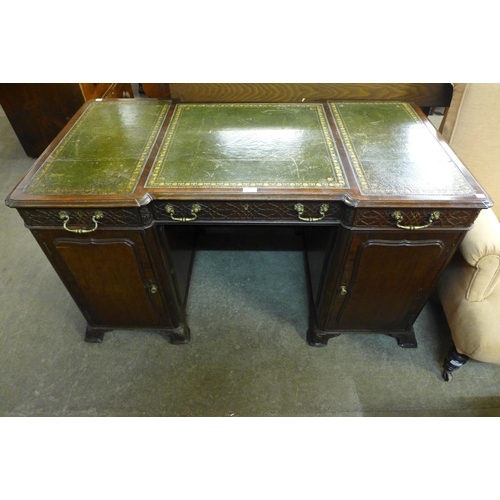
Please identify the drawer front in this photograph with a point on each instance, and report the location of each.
(411, 218)
(85, 218)
(246, 211)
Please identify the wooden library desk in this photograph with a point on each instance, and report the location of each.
(118, 198)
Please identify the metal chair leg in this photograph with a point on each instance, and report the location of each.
(454, 360)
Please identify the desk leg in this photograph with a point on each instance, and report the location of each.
(318, 338)
(179, 335)
(406, 339)
(95, 335)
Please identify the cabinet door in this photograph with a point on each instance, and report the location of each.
(110, 276)
(386, 279)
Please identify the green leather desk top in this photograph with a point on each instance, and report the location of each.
(135, 149)
(248, 145)
(104, 152)
(393, 153)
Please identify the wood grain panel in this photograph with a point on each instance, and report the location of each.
(422, 94)
(110, 275)
(157, 90)
(388, 282)
(106, 90)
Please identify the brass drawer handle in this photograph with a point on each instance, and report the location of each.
(65, 217)
(322, 210)
(194, 212)
(398, 217)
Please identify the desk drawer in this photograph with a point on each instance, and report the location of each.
(246, 211)
(82, 218)
(416, 218)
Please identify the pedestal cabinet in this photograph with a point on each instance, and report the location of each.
(120, 279)
(386, 279)
(117, 200)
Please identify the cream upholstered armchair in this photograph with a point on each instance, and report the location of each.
(469, 289)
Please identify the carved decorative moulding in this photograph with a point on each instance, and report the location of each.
(450, 218)
(225, 211)
(121, 217)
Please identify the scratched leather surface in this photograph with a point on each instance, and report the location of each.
(238, 145)
(393, 152)
(104, 152)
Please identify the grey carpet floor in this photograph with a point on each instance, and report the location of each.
(247, 357)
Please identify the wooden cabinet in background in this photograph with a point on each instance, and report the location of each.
(39, 111)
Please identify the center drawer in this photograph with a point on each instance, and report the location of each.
(246, 211)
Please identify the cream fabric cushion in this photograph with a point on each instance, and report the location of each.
(481, 249)
(473, 325)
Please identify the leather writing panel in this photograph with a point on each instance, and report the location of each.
(104, 152)
(246, 145)
(393, 153)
